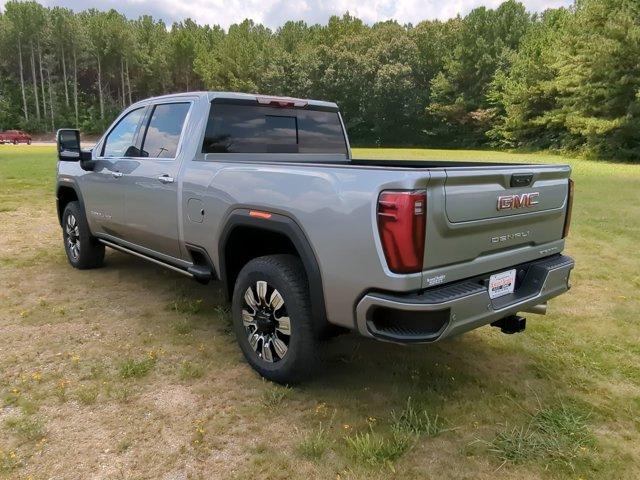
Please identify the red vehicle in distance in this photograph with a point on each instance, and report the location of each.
(15, 137)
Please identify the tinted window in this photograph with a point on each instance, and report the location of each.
(260, 129)
(163, 133)
(120, 141)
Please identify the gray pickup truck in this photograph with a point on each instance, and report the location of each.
(262, 194)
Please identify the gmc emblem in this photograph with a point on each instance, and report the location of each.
(509, 202)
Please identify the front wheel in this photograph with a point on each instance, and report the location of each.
(272, 318)
(83, 249)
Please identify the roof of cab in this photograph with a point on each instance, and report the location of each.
(237, 96)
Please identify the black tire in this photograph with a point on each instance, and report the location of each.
(75, 233)
(285, 274)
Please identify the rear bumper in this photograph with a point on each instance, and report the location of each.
(437, 313)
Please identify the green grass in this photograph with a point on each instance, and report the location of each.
(25, 172)
(373, 449)
(561, 400)
(26, 428)
(184, 326)
(131, 368)
(315, 445)
(275, 395)
(417, 420)
(191, 370)
(87, 394)
(187, 305)
(558, 436)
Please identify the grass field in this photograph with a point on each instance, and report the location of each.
(131, 371)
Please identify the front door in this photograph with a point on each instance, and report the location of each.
(151, 199)
(103, 187)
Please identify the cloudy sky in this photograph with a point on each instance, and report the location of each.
(274, 13)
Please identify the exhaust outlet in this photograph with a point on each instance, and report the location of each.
(540, 309)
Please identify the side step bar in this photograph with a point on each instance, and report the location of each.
(201, 273)
(146, 257)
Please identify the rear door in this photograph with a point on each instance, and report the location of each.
(151, 198)
(476, 212)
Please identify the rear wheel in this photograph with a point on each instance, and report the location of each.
(272, 318)
(83, 250)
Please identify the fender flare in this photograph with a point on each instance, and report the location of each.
(67, 183)
(289, 228)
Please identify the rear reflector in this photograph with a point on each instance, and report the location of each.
(402, 221)
(567, 218)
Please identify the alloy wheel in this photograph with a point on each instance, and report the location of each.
(73, 236)
(266, 322)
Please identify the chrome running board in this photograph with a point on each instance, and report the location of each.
(145, 257)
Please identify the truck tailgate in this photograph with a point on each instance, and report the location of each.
(476, 212)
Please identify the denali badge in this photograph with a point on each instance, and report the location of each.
(510, 236)
(437, 280)
(508, 202)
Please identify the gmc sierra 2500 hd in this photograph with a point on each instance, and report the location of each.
(262, 194)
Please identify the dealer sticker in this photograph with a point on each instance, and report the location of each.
(502, 283)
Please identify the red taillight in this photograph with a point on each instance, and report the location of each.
(402, 221)
(567, 218)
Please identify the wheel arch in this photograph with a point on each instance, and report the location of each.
(275, 228)
(67, 192)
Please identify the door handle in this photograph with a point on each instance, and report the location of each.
(165, 179)
(116, 174)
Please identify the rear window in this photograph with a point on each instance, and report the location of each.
(236, 128)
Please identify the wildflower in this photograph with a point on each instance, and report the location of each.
(154, 354)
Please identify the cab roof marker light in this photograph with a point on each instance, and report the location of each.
(283, 102)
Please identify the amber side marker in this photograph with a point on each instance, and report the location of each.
(259, 214)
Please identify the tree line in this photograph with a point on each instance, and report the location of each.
(566, 79)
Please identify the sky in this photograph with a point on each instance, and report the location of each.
(274, 13)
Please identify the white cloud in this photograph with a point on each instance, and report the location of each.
(274, 13)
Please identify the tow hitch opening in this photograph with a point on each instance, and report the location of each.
(511, 324)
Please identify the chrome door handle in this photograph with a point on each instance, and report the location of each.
(116, 174)
(165, 178)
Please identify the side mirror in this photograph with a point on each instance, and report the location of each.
(68, 141)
